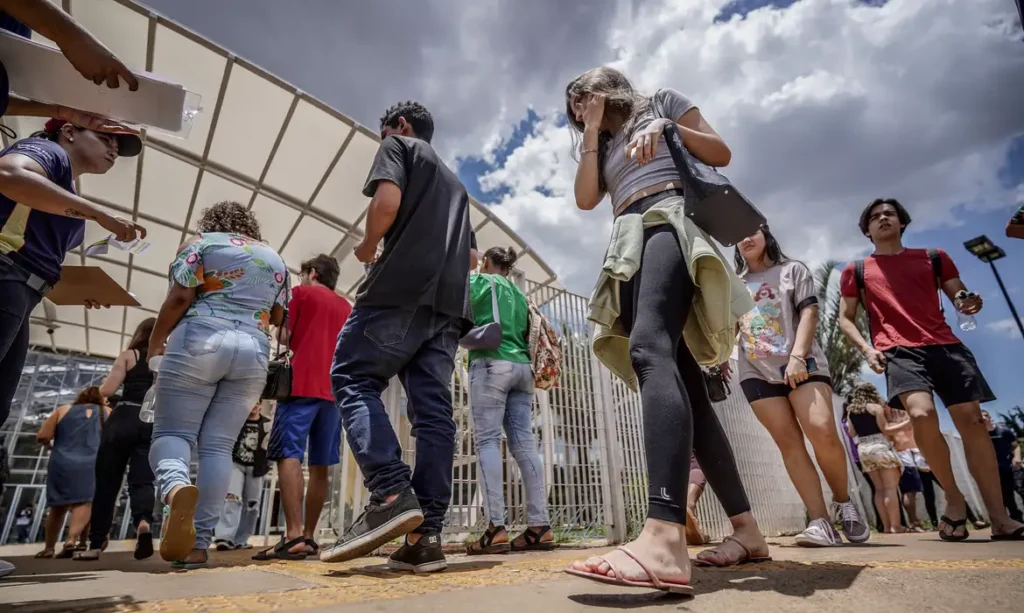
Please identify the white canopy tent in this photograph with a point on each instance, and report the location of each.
(296, 162)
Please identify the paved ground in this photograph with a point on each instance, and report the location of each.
(893, 573)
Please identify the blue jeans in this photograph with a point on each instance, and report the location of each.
(501, 393)
(211, 376)
(419, 346)
(241, 506)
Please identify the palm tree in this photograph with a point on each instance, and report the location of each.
(844, 361)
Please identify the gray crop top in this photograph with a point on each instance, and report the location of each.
(625, 177)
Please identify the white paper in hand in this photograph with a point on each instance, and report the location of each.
(102, 247)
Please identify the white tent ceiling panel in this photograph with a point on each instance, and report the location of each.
(124, 31)
(306, 151)
(133, 319)
(149, 290)
(117, 272)
(164, 246)
(276, 219)
(250, 120)
(491, 235)
(352, 270)
(107, 319)
(200, 70)
(531, 267)
(214, 189)
(105, 343)
(311, 237)
(167, 186)
(67, 314)
(476, 216)
(341, 195)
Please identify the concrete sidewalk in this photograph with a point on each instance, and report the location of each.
(892, 573)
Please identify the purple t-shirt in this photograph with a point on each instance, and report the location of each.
(35, 240)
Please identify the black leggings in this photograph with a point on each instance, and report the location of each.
(678, 415)
(124, 444)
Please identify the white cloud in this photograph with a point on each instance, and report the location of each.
(1004, 327)
(826, 105)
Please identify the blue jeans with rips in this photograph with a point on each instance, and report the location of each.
(418, 345)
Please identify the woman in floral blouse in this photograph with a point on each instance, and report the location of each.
(227, 288)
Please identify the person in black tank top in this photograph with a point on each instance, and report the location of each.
(125, 445)
(870, 420)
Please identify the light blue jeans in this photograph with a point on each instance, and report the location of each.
(501, 394)
(241, 506)
(211, 376)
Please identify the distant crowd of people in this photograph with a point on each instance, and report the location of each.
(667, 303)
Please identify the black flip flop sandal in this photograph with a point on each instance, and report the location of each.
(280, 551)
(486, 544)
(143, 546)
(532, 540)
(952, 525)
(314, 546)
(1016, 535)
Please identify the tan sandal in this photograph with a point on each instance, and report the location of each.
(179, 538)
(653, 583)
(747, 558)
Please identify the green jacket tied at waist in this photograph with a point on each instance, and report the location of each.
(718, 303)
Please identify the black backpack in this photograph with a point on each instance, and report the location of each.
(933, 257)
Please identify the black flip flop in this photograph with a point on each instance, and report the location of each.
(953, 525)
(314, 546)
(1016, 535)
(280, 551)
(143, 546)
(487, 546)
(532, 542)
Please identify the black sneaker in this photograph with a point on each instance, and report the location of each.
(379, 523)
(423, 557)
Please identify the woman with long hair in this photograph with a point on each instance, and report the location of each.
(125, 446)
(501, 386)
(228, 288)
(784, 376)
(72, 432)
(642, 308)
(870, 420)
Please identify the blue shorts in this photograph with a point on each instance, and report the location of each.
(298, 419)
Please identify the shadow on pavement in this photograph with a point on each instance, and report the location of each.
(65, 570)
(107, 604)
(381, 571)
(786, 578)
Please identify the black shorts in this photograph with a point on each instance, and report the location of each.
(910, 481)
(948, 371)
(759, 389)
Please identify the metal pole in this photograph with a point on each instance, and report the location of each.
(1009, 303)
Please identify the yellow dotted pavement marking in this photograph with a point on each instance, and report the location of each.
(369, 579)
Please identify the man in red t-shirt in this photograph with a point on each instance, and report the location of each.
(316, 315)
(920, 356)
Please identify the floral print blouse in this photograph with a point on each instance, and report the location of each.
(236, 278)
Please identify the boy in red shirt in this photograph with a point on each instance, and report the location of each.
(920, 356)
(316, 315)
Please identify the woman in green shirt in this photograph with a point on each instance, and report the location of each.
(501, 393)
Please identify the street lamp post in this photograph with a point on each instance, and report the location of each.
(987, 252)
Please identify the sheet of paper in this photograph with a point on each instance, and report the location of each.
(102, 246)
(42, 73)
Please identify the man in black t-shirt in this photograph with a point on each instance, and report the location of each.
(409, 314)
(1007, 457)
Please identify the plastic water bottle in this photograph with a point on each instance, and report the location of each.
(146, 411)
(966, 322)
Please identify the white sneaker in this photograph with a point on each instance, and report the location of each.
(854, 526)
(6, 568)
(819, 533)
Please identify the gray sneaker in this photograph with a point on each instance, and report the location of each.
(6, 568)
(819, 533)
(854, 526)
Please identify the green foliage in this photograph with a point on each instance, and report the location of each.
(844, 360)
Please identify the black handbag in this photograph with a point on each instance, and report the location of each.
(710, 199)
(279, 370)
(718, 389)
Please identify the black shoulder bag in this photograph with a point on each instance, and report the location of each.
(279, 370)
(710, 200)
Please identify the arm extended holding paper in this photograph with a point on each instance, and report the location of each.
(86, 53)
(24, 180)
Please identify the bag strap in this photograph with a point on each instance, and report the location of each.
(494, 301)
(858, 275)
(284, 320)
(933, 257)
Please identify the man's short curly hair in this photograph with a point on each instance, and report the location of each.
(415, 114)
(232, 217)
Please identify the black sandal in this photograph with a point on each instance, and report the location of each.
(280, 551)
(143, 545)
(486, 544)
(311, 544)
(952, 525)
(532, 542)
(1016, 535)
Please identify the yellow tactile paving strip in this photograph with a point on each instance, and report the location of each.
(368, 579)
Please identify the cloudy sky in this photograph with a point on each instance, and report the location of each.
(826, 104)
